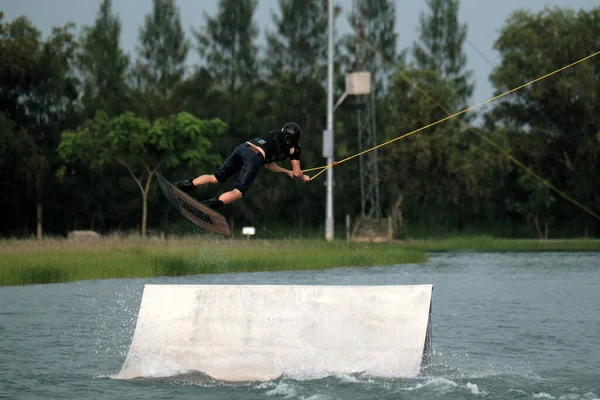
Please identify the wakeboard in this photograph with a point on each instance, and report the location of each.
(203, 216)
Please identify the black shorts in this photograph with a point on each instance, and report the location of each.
(245, 159)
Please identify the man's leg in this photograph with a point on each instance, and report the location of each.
(231, 196)
(252, 163)
(229, 167)
(224, 198)
(205, 179)
(190, 184)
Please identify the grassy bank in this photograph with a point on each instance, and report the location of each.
(60, 260)
(488, 243)
(48, 261)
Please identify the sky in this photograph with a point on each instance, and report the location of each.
(484, 19)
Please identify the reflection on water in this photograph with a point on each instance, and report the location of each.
(505, 325)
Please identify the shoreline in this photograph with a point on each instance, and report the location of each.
(55, 260)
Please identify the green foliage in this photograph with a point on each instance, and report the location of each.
(553, 124)
(20, 160)
(38, 89)
(103, 64)
(200, 95)
(227, 43)
(535, 205)
(298, 45)
(20, 164)
(419, 168)
(440, 176)
(38, 83)
(161, 60)
(141, 147)
(186, 139)
(51, 104)
(19, 45)
(372, 45)
(120, 122)
(440, 48)
(136, 143)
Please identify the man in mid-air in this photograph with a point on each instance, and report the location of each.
(248, 158)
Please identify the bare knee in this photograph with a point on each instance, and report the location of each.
(205, 179)
(237, 193)
(231, 196)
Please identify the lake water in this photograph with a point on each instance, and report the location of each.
(505, 325)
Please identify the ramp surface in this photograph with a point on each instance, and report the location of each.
(259, 332)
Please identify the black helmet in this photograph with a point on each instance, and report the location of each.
(292, 129)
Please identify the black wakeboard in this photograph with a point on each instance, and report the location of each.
(203, 216)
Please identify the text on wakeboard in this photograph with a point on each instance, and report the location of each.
(199, 214)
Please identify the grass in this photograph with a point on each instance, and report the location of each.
(59, 260)
(488, 243)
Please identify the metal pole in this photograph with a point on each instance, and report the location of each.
(329, 216)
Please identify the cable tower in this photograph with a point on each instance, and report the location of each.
(367, 135)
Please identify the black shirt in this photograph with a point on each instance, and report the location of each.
(277, 145)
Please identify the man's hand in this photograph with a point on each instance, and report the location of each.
(302, 178)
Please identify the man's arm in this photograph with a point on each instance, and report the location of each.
(295, 174)
(298, 172)
(295, 160)
(276, 168)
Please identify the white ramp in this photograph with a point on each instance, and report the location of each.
(259, 332)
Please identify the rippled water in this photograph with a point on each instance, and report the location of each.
(505, 325)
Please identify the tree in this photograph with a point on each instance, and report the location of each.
(296, 62)
(440, 48)
(435, 163)
(419, 169)
(298, 46)
(22, 162)
(52, 107)
(19, 49)
(103, 67)
(103, 64)
(141, 147)
(439, 177)
(295, 69)
(160, 67)
(200, 95)
(372, 47)
(21, 167)
(38, 91)
(227, 44)
(553, 124)
(535, 204)
(38, 83)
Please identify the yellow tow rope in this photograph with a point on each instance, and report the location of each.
(564, 195)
